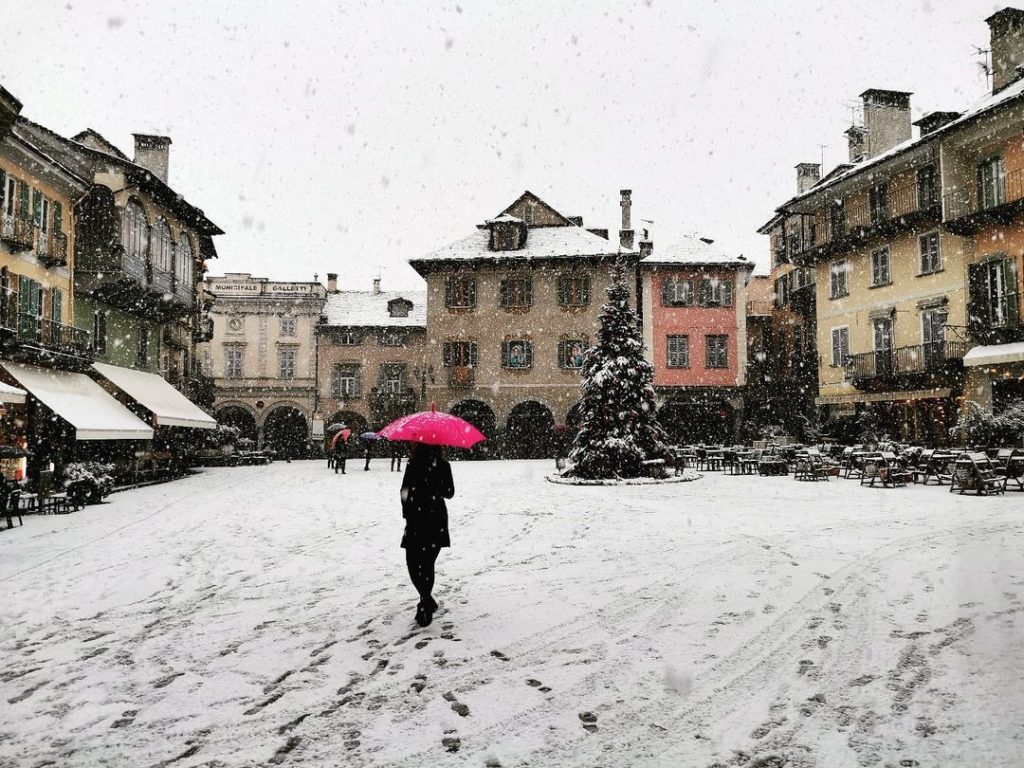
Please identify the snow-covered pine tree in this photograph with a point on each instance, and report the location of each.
(619, 428)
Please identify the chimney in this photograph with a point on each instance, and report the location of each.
(332, 282)
(626, 233)
(646, 248)
(807, 175)
(10, 107)
(935, 120)
(376, 286)
(152, 154)
(1007, 44)
(886, 121)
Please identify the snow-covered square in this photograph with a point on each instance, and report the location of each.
(263, 615)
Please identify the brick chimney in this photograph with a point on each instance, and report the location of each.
(376, 286)
(1007, 43)
(151, 152)
(807, 175)
(886, 124)
(935, 120)
(332, 282)
(626, 233)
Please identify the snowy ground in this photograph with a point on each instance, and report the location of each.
(255, 616)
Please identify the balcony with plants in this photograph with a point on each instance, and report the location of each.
(911, 365)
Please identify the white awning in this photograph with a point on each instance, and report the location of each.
(995, 354)
(881, 397)
(169, 407)
(80, 401)
(9, 394)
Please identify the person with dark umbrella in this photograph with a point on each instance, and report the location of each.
(396, 450)
(367, 446)
(340, 453)
(426, 484)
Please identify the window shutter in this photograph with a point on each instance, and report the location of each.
(528, 350)
(504, 293)
(727, 293)
(563, 290)
(977, 311)
(528, 292)
(37, 206)
(1012, 292)
(3, 189)
(448, 284)
(836, 352)
(471, 292)
(56, 305)
(473, 355)
(563, 354)
(705, 292)
(666, 292)
(446, 354)
(585, 297)
(504, 354)
(58, 217)
(24, 209)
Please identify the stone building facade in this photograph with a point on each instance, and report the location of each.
(262, 358)
(510, 308)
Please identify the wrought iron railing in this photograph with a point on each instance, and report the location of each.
(903, 361)
(17, 231)
(860, 216)
(8, 309)
(52, 247)
(50, 333)
(968, 202)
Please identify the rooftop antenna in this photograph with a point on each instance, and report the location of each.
(856, 111)
(985, 65)
(821, 147)
(316, 277)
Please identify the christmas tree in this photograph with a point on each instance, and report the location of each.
(619, 429)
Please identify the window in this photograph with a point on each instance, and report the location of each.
(185, 261)
(837, 280)
(287, 326)
(782, 286)
(99, 332)
(715, 292)
(56, 305)
(516, 292)
(880, 267)
(347, 339)
(392, 378)
(840, 346)
(837, 218)
(161, 248)
(10, 192)
(233, 361)
(133, 230)
(780, 249)
(933, 327)
(928, 246)
(878, 203)
(882, 336)
(286, 362)
(142, 350)
(573, 290)
(460, 354)
(991, 183)
(570, 353)
(994, 293)
(392, 337)
(676, 292)
(678, 352)
(927, 188)
(460, 293)
(346, 383)
(516, 353)
(716, 351)
(399, 307)
(30, 300)
(794, 241)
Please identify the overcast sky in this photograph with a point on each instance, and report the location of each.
(349, 137)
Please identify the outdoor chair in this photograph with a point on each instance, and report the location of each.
(1013, 471)
(731, 462)
(893, 471)
(79, 492)
(871, 470)
(749, 462)
(10, 500)
(974, 471)
(809, 466)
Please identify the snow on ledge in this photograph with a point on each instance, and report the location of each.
(688, 476)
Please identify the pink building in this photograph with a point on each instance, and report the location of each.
(694, 310)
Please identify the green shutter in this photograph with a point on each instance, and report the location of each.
(977, 303)
(58, 217)
(1012, 293)
(56, 305)
(3, 189)
(37, 206)
(23, 209)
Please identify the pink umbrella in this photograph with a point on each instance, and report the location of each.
(433, 428)
(343, 435)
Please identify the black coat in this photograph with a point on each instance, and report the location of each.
(426, 484)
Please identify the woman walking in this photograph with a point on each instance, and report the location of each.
(426, 484)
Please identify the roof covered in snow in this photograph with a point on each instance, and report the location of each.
(541, 243)
(366, 309)
(698, 251)
(982, 107)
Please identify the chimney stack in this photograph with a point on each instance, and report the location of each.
(807, 175)
(935, 120)
(376, 286)
(626, 233)
(332, 282)
(151, 152)
(10, 107)
(1007, 44)
(886, 124)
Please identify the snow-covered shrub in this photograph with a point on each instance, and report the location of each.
(1009, 424)
(98, 475)
(978, 426)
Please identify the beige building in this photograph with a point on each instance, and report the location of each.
(262, 358)
(510, 309)
(372, 356)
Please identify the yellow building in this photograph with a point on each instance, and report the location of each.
(916, 246)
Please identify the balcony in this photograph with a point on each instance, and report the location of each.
(52, 248)
(903, 207)
(52, 336)
(8, 311)
(966, 212)
(461, 377)
(803, 300)
(122, 281)
(17, 232)
(901, 362)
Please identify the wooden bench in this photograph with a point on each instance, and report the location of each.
(975, 472)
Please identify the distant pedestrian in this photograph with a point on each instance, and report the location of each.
(395, 449)
(367, 448)
(426, 484)
(340, 454)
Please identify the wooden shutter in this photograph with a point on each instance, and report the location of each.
(504, 354)
(446, 354)
(977, 303)
(37, 206)
(727, 293)
(584, 290)
(3, 191)
(1012, 292)
(528, 291)
(666, 292)
(705, 297)
(56, 305)
(528, 353)
(448, 287)
(473, 355)
(505, 292)
(23, 209)
(58, 217)
(563, 354)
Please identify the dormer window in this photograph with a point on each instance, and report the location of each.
(399, 307)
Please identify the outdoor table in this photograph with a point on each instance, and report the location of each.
(937, 464)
